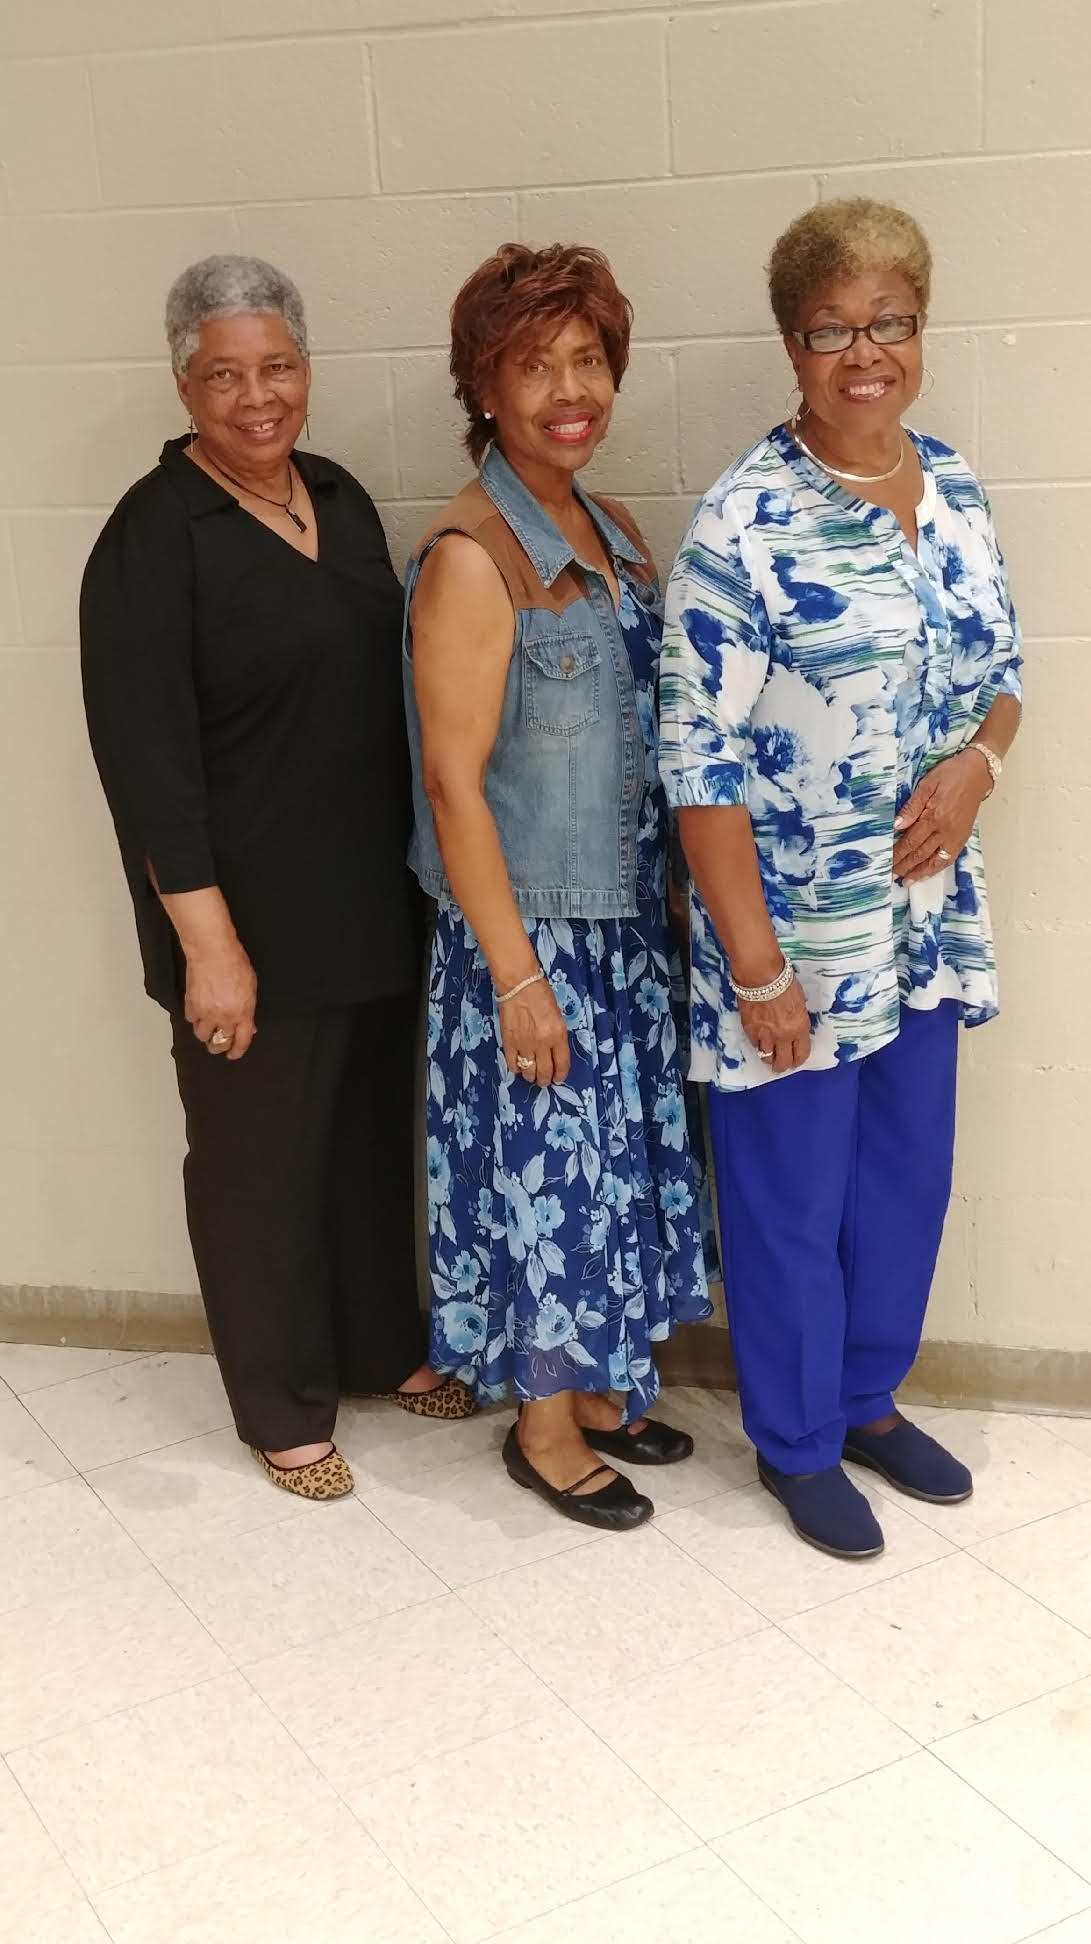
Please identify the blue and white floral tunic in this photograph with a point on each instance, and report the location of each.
(568, 1225)
(814, 669)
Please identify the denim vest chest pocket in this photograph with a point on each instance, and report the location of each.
(562, 674)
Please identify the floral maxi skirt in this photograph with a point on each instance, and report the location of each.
(569, 1226)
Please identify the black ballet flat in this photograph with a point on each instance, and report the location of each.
(654, 1444)
(616, 1508)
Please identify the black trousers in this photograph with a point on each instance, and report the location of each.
(299, 1198)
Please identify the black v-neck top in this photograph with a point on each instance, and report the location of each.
(245, 711)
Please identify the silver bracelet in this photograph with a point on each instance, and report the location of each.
(535, 977)
(995, 766)
(754, 995)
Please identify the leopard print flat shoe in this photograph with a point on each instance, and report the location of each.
(326, 1478)
(449, 1400)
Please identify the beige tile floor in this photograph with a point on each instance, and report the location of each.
(438, 1712)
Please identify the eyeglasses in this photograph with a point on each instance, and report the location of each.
(838, 337)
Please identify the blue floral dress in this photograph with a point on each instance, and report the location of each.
(569, 1226)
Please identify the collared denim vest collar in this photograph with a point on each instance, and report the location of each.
(566, 775)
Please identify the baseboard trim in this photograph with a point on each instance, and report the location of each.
(972, 1375)
(102, 1319)
(987, 1376)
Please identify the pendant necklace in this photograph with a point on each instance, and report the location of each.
(282, 506)
(836, 472)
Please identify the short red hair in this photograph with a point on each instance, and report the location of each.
(515, 298)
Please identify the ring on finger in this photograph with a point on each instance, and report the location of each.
(523, 1063)
(762, 1055)
(944, 854)
(220, 1038)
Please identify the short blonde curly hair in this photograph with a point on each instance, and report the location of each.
(836, 240)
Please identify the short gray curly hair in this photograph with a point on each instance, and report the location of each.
(228, 286)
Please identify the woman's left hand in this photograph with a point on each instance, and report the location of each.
(937, 821)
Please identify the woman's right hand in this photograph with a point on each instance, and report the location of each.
(221, 998)
(534, 1036)
(779, 1028)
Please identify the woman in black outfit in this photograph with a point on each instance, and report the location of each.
(240, 624)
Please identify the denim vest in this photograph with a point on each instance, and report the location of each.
(566, 776)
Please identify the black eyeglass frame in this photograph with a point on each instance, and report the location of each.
(859, 330)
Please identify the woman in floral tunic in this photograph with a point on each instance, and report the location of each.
(840, 684)
(564, 1204)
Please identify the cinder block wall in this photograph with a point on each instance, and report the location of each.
(378, 149)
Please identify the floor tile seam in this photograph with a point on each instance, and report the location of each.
(101, 1587)
(924, 1746)
(919, 1747)
(1051, 1930)
(34, 1390)
(329, 1787)
(1027, 1525)
(460, 1747)
(830, 1788)
(1035, 1598)
(1081, 1876)
(1068, 1443)
(634, 1876)
(127, 1457)
(127, 1707)
(313, 1639)
(951, 1549)
(40, 1820)
(819, 1606)
(927, 1747)
(1032, 1700)
(694, 1561)
(625, 1684)
(806, 1802)
(320, 1641)
(49, 1438)
(112, 1516)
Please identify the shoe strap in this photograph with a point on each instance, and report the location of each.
(570, 1489)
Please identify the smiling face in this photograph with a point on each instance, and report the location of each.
(863, 391)
(552, 400)
(246, 388)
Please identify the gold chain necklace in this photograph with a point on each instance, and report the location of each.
(837, 472)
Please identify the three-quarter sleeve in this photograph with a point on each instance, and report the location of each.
(1006, 675)
(714, 663)
(136, 635)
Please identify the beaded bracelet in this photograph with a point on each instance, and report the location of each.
(503, 997)
(754, 995)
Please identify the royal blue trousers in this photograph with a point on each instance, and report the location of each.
(833, 1189)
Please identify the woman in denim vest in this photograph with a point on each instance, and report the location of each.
(564, 1206)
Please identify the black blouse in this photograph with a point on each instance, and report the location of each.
(245, 711)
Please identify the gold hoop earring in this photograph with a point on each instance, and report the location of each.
(931, 386)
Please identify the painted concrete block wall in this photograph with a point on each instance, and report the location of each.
(378, 149)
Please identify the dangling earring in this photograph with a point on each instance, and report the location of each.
(931, 386)
(307, 427)
(192, 431)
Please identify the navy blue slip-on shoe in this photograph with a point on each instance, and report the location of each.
(908, 1458)
(827, 1511)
